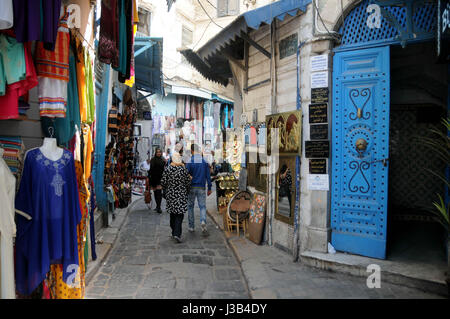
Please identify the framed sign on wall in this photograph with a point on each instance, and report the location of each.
(289, 125)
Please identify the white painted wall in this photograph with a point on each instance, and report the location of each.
(168, 25)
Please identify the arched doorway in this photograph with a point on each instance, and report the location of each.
(387, 93)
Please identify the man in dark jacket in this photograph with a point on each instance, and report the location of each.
(198, 168)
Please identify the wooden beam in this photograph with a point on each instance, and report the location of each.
(256, 45)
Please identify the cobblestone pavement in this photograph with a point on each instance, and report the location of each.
(146, 263)
(270, 273)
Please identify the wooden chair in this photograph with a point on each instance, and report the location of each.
(240, 205)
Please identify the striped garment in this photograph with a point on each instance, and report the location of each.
(55, 64)
(13, 153)
(52, 97)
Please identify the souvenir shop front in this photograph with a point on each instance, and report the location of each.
(203, 120)
(388, 93)
(52, 103)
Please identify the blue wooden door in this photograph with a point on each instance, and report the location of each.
(360, 150)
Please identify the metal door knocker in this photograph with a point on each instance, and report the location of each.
(361, 146)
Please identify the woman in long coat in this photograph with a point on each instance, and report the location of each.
(176, 182)
(155, 173)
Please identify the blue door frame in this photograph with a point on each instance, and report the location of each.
(100, 143)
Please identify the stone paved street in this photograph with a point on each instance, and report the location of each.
(146, 263)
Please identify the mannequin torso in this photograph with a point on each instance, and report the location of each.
(50, 149)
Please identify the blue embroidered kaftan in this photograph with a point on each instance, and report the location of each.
(49, 194)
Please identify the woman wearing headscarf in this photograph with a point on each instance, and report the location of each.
(155, 173)
(176, 182)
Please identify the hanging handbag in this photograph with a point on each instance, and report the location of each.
(147, 193)
(148, 197)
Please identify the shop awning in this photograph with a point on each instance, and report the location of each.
(229, 42)
(182, 90)
(148, 55)
(252, 20)
(220, 73)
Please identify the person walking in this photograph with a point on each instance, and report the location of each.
(176, 182)
(157, 165)
(199, 169)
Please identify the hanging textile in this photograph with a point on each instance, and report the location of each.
(37, 21)
(7, 230)
(52, 97)
(135, 19)
(9, 102)
(52, 68)
(90, 97)
(128, 7)
(187, 107)
(6, 14)
(88, 149)
(193, 108)
(55, 64)
(122, 68)
(64, 128)
(108, 47)
(226, 116)
(200, 110)
(217, 116)
(12, 62)
(48, 194)
(13, 150)
(81, 80)
(231, 116)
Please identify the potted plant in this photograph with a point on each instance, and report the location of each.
(439, 143)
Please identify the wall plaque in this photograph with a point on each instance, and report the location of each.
(318, 182)
(317, 149)
(318, 166)
(318, 132)
(318, 63)
(319, 95)
(288, 45)
(319, 80)
(318, 113)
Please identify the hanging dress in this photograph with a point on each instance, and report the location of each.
(9, 105)
(37, 21)
(90, 98)
(48, 193)
(7, 230)
(65, 127)
(81, 81)
(52, 68)
(108, 47)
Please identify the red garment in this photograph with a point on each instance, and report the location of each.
(108, 47)
(9, 103)
(55, 64)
